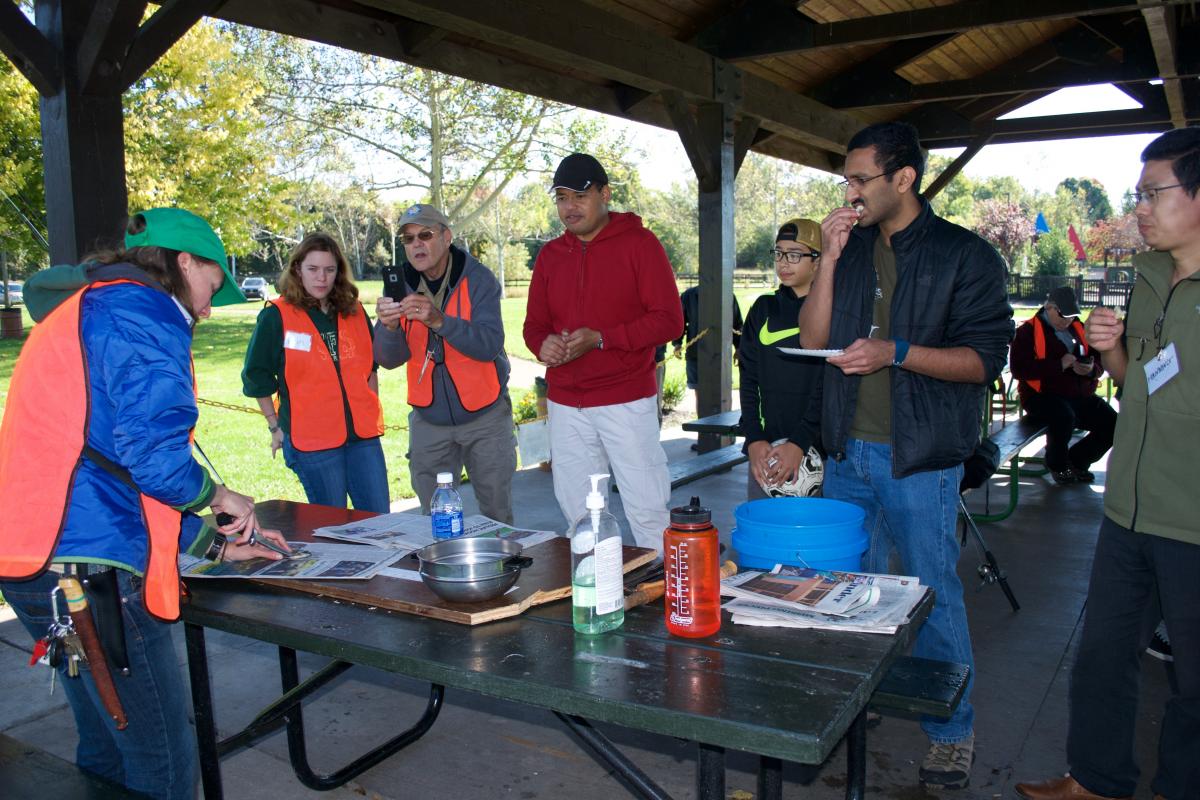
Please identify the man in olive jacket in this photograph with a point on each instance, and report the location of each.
(1148, 550)
(918, 305)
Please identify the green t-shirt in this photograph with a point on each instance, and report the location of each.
(262, 373)
(873, 411)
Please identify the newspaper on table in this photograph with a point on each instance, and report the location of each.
(406, 532)
(309, 560)
(802, 588)
(898, 595)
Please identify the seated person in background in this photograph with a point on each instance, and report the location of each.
(781, 394)
(1057, 375)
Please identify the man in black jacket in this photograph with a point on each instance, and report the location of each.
(918, 305)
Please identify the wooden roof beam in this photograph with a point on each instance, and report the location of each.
(1161, 24)
(759, 30)
(946, 133)
(101, 51)
(156, 35)
(1002, 82)
(29, 50)
(585, 38)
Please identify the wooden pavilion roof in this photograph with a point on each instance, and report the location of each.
(805, 74)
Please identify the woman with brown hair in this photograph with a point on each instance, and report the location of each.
(310, 366)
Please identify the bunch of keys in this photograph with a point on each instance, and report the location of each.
(60, 642)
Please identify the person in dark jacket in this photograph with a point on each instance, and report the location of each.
(918, 305)
(1057, 374)
(688, 341)
(781, 393)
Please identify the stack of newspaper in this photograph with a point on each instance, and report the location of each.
(799, 597)
(392, 536)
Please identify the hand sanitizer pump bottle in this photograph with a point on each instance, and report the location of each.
(597, 591)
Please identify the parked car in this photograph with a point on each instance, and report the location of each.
(14, 293)
(256, 288)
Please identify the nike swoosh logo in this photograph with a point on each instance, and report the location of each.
(768, 336)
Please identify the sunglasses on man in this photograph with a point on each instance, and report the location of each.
(424, 236)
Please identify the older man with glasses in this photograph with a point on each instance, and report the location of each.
(448, 330)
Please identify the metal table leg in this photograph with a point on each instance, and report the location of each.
(298, 750)
(856, 758)
(608, 753)
(770, 778)
(206, 726)
(710, 772)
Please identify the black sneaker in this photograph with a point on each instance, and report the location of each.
(1160, 645)
(1082, 475)
(1064, 477)
(948, 766)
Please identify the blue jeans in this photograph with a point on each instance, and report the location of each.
(156, 753)
(357, 469)
(918, 517)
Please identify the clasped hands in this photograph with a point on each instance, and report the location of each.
(560, 348)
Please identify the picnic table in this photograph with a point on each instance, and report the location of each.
(783, 694)
(724, 423)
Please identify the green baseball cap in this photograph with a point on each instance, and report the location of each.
(178, 229)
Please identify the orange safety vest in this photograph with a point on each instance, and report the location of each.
(1039, 344)
(320, 390)
(38, 462)
(477, 382)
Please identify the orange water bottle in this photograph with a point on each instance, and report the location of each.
(693, 579)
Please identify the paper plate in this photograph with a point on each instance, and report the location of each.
(798, 351)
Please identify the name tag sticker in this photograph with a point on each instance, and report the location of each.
(1162, 368)
(294, 340)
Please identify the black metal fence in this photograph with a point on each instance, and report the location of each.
(1091, 292)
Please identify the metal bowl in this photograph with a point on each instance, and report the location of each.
(471, 570)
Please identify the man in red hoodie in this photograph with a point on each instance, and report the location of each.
(603, 297)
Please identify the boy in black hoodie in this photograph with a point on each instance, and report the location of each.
(781, 393)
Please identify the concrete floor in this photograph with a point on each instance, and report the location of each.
(481, 748)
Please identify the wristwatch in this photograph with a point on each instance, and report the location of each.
(600, 344)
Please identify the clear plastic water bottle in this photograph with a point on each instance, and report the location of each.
(446, 508)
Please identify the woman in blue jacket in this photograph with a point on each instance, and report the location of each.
(109, 494)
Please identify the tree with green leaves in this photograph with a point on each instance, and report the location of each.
(22, 198)
(1094, 197)
(452, 142)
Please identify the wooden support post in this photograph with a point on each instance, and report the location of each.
(716, 146)
(82, 143)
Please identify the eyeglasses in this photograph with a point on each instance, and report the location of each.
(859, 183)
(793, 256)
(1150, 193)
(424, 236)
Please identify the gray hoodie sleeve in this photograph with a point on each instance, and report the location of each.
(391, 346)
(482, 338)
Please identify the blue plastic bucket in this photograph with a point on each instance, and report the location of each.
(801, 531)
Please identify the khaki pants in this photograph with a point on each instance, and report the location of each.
(486, 446)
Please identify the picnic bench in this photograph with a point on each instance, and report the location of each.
(1010, 440)
(712, 461)
(28, 771)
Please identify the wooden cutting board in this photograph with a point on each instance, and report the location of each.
(547, 579)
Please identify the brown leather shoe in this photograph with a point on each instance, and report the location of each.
(1064, 788)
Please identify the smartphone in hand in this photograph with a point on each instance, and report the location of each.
(393, 283)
